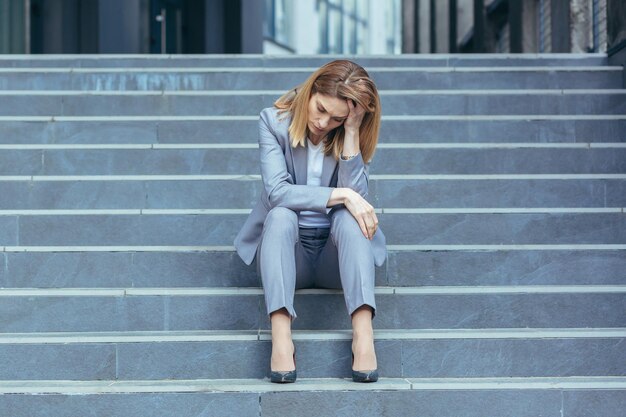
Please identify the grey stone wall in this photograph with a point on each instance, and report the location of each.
(581, 25)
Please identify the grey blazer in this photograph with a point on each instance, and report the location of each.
(283, 170)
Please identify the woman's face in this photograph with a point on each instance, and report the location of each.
(325, 114)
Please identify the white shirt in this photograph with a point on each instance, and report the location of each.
(314, 166)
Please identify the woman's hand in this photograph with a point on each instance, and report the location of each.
(355, 117)
(361, 210)
(351, 127)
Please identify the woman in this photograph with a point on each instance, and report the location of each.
(313, 226)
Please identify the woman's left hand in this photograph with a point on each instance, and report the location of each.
(353, 122)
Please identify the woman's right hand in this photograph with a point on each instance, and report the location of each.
(360, 208)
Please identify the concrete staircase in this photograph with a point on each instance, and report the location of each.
(501, 185)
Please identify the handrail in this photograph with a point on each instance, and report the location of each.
(162, 18)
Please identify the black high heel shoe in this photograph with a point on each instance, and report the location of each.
(366, 376)
(285, 377)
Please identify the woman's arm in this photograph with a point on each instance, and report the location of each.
(353, 171)
(352, 181)
(360, 208)
(278, 183)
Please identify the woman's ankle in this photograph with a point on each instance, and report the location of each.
(283, 356)
(282, 345)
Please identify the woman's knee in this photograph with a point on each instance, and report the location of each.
(344, 225)
(281, 220)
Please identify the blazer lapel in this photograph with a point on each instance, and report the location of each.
(298, 155)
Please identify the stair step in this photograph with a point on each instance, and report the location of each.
(107, 194)
(440, 397)
(494, 193)
(405, 353)
(227, 211)
(84, 338)
(268, 61)
(48, 310)
(419, 102)
(137, 269)
(244, 129)
(398, 248)
(253, 291)
(246, 161)
(385, 145)
(284, 78)
(257, 177)
(400, 229)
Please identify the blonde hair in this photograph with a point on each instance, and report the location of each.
(340, 79)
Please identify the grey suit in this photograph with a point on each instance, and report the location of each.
(284, 253)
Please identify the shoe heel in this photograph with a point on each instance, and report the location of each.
(367, 376)
(285, 377)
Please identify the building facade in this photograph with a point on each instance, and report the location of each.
(311, 26)
(131, 26)
(503, 26)
(200, 26)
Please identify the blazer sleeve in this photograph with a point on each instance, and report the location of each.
(354, 174)
(278, 182)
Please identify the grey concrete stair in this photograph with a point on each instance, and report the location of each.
(244, 129)
(194, 269)
(187, 193)
(50, 310)
(500, 182)
(396, 161)
(443, 353)
(221, 268)
(278, 78)
(500, 192)
(251, 60)
(411, 102)
(399, 228)
(441, 397)
(237, 161)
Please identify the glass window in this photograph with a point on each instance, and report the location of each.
(393, 27)
(362, 13)
(343, 25)
(334, 31)
(362, 7)
(349, 7)
(322, 7)
(349, 35)
(282, 21)
(361, 39)
(278, 20)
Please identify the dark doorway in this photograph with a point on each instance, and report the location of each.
(177, 26)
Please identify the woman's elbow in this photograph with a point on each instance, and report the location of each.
(275, 198)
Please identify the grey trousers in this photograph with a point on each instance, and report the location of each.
(291, 257)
